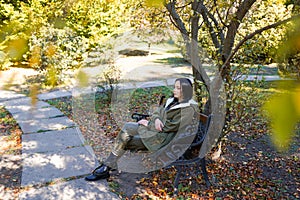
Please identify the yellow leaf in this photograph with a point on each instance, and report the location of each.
(297, 100)
(16, 48)
(280, 2)
(35, 59)
(33, 94)
(154, 3)
(51, 76)
(283, 114)
(51, 50)
(9, 83)
(83, 79)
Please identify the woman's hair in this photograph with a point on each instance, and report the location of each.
(186, 88)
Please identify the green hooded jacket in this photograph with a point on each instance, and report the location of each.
(177, 118)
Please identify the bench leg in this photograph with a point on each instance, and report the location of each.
(176, 180)
(204, 172)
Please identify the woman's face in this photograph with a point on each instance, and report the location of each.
(177, 91)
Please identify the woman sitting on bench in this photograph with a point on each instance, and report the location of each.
(153, 134)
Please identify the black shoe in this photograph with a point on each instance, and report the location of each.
(101, 172)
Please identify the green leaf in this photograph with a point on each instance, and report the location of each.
(283, 111)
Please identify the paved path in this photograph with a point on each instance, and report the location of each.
(53, 150)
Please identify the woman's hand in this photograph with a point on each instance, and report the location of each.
(158, 125)
(143, 122)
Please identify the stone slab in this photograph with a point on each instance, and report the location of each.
(51, 141)
(42, 168)
(18, 102)
(39, 125)
(42, 113)
(8, 95)
(23, 105)
(54, 95)
(75, 189)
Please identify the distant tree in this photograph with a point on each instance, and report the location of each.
(289, 51)
(57, 35)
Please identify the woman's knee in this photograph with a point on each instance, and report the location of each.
(130, 128)
(124, 136)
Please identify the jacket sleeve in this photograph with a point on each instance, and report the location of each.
(172, 125)
(157, 114)
(183, 118)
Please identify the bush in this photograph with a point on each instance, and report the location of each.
(109, 79)
(57, 50)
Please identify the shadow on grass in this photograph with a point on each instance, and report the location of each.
(177, 61)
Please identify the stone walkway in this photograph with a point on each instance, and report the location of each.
(54, 154)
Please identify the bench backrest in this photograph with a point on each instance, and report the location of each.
(204, 121)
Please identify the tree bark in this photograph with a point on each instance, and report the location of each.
(231, 33)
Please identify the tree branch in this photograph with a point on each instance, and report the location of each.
(205, 15)
(198, 71)
(247, 37)
(233, 26)
(220, 33)
(177, 20)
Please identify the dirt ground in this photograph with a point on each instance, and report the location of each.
(10, 157)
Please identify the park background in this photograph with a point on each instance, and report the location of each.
(60, 44)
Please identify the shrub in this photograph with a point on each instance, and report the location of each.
(58, 50)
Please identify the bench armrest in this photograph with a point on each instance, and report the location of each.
(138, 116)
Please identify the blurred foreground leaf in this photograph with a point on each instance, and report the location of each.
(297, 100)
(51, 76)
(154, 3)
(7, 84)
(16, 48)
(51, 50)
(34, 90)
(83, 79)
(284, 112)
(35, 59)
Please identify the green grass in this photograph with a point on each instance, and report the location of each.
(172, 61)
(137, 100)
(174, 51)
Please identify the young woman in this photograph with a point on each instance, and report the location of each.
(155, 133)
